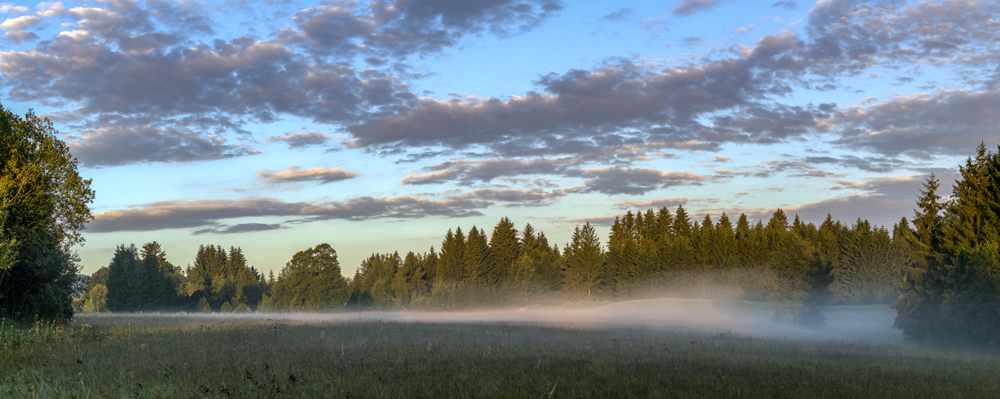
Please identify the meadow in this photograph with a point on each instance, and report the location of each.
(654, 348)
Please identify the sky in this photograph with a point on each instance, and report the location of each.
(275, 126)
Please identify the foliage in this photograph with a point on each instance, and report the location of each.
(43, 209)
(950, 288)
(311, 280)
(585, 269)
(97, 299)
(870, 267)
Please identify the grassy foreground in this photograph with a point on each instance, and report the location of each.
(181, 357)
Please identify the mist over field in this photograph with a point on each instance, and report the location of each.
(861, 323)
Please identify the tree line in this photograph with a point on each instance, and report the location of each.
(939, 271)
(951, 291)
(797, 266)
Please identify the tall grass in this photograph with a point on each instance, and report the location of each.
(13, 334)
(134, 356)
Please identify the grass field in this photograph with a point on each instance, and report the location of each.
(622, 350)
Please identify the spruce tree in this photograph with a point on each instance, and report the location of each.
(664, 224)
(621, 257)
(585, 268)
(160, 288)
(126, 280)
(971, 211)
(724, 254)
(745, 248)
(504, 249)
(451, 264)
(705, 245)
(682, 224)
(477, 259)
(927, 218)
(529, 241)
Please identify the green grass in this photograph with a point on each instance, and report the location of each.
(179, 357)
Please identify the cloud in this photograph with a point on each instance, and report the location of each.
(400, 28)
(868, 164)
(849, 37)
(717, 159)
(532, 197)
(788, 5)
(257, 79)
(99, 63)
(922, 126)
(295, 174)
(301, 140)
(687, 7)
(103, 62)
(906, 187)
(114, 146)
(774, 123)
(635, 181)
(562, 221)
(239, 228)
(468, 172)
(877, 209)
(632, 101)
(744, 29)
(13, 9)
(20, 23)
(15, 28)
(208, 213)
(621, 14)
(19, 36)
(766, 169)
(880, 200)
(661, 203)
(103, 59)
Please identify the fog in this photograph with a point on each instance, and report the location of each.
(869, 323)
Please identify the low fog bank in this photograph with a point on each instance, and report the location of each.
(870, 323)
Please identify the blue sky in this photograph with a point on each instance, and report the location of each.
(375, 127)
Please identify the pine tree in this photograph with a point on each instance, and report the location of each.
(705, 246)
(927, 220)
(918, 308)
(621, 256)
(682, 225)
(745, 248)
(664, 224)
(724, 255)
(529, 241)
(208, 267)
(160, 288)
(972, 210)
(451, 264)
(504, 249)
(648, 228)
(126, 278)
(585, 263)
(477, 259)
(430, 263)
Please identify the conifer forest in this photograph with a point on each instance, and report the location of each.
(934, 268)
